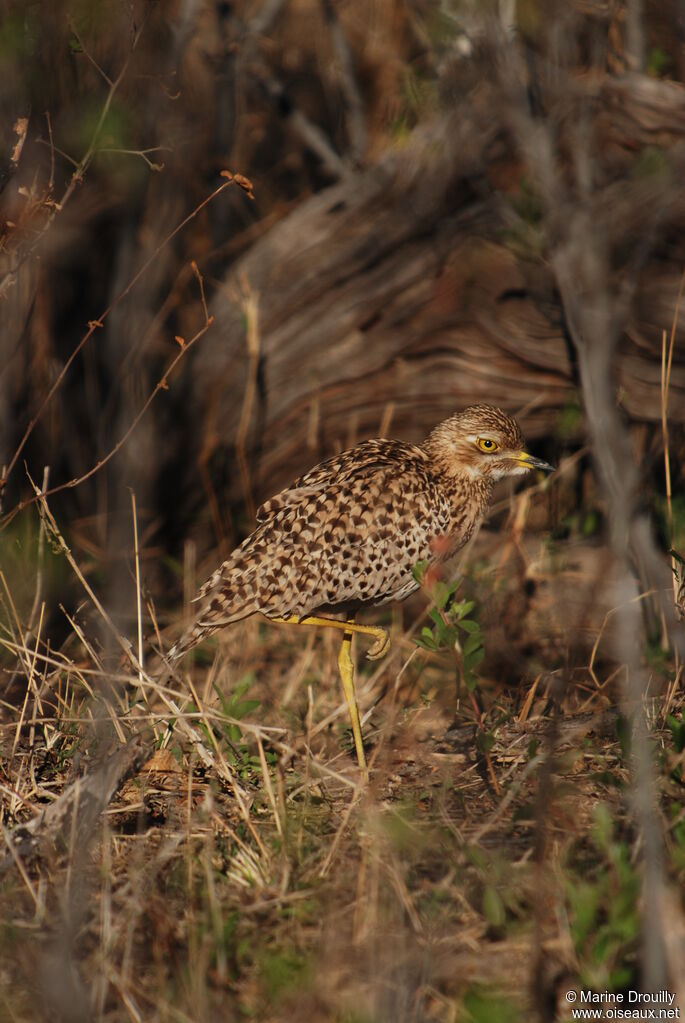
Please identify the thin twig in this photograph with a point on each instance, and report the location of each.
(249, 301)
(139, 607)
(666, 362)
(309, 133)
(41, 551)
(51, 179)
(356, 117)
(80, 169)
(97, 324)
(89, 55)
(161, 385)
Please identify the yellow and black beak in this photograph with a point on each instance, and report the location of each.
(530, 462)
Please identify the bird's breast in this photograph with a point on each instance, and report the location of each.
(465, 502)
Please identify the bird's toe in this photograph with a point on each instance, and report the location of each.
(379, 648)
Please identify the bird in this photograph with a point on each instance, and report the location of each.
(349, 533)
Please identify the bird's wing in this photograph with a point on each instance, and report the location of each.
(360, 461)
(314, 539)
(365, 533)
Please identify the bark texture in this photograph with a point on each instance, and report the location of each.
(417, 286)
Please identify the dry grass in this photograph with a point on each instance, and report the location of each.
(198, 846)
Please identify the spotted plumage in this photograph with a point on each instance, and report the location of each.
(348, 533)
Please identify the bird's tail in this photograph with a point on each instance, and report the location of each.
(218, 609)
(190, 638)
(231, 593)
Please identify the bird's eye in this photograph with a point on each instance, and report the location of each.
(487, 444)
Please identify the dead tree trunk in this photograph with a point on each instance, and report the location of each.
(417, 286)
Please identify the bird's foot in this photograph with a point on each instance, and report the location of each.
(380, 647)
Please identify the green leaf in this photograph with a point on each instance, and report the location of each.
(487, 1006)
(620, 978)
(468, 625)
(657, 62)
(419, 570)
(584, 899)
(474, 659)
(677, 729)
(244, 708)
(471, 644)
(604, 829)
(485, 741)
(493, 907)
(426, 640)
(444, 635)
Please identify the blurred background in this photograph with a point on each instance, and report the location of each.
(238, 237)
(392, 266)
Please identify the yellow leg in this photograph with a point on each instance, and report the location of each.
(346, 668)
(379, 648)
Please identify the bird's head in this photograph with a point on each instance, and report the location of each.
(481, 442)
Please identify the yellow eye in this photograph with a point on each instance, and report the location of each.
(487, 445)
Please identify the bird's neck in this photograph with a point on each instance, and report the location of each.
(464, 487)
(468, 497)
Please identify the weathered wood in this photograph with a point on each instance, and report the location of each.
(86, 798)
(407, 290)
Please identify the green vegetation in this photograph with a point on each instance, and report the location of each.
(603, 910)
(453, 629)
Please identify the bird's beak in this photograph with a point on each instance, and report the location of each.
(530, 462)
